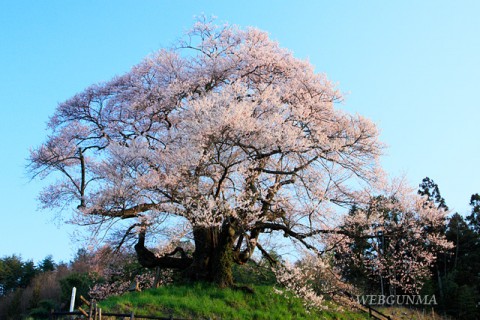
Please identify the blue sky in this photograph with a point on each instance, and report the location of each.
(413, 67)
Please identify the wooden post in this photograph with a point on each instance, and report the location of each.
(156, 282)
(83, 311)
(90, 311)
(132, 316)
(85, 301)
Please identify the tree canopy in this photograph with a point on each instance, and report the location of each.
(225, 138)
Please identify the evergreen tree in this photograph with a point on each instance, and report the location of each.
(47, 264)
(462, 276)
(459, 233)
(430, 189)
(14, 274)
(474, 217)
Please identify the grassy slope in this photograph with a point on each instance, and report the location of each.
(207, 302)
(404, 313)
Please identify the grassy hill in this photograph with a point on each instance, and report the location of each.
(203, 301)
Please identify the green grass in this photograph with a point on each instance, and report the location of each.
(204, 301)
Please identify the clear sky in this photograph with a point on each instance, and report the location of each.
(413, 67)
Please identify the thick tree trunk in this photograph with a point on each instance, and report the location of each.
(206, 240)
(213, 256)
(223, 258)
(212, 259)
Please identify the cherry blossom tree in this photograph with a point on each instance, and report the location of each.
(225, 138)
(395, 239)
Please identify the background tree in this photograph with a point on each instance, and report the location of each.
(429, 189)
(51, 285)
(461, 279)
(474, 218)
(21, 284)
(354, 268)
(15, 274)
(47, 264)
(394, 239)
(461, 236)
(225, 138)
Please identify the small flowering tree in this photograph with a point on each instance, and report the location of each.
(116, 279)
(298, 280)
(227, 135)
(312, 278)
(395, 239)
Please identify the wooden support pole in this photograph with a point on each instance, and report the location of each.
(90, 312)
(85, 301)
(83, 311)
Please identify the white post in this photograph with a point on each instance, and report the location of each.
(72, 300)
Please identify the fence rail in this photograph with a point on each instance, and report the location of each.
(95, 313)
(375, 314)
(54, 315)
(372, 313)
